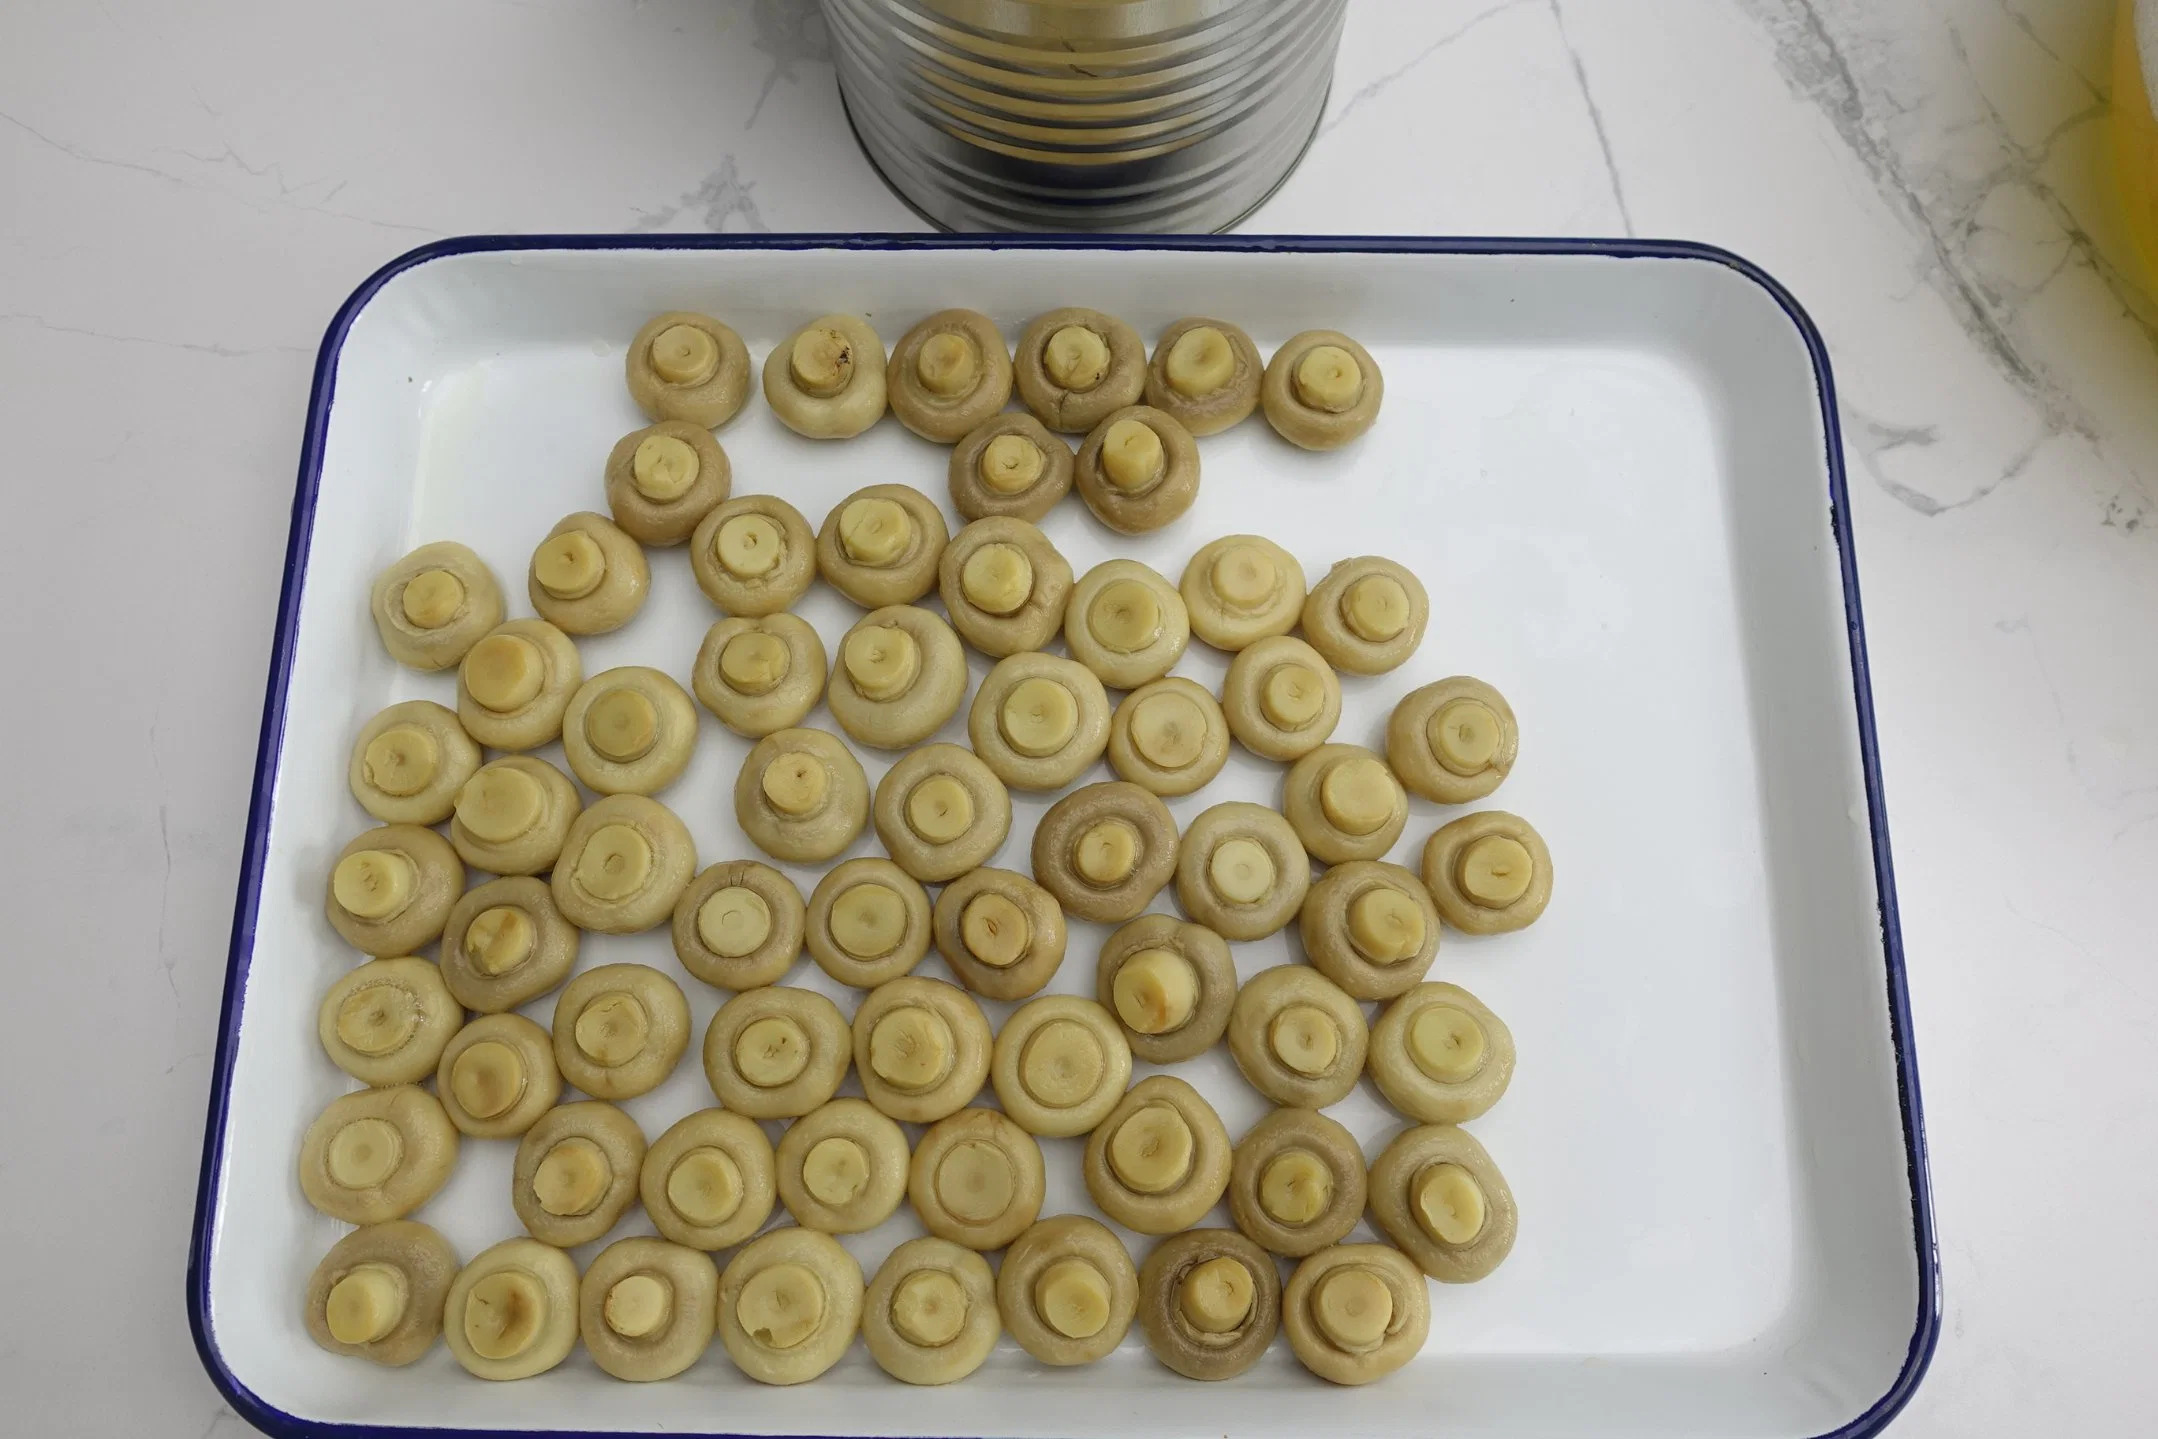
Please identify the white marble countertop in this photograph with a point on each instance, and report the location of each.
(190, 191)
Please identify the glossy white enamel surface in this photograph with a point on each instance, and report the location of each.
(1610, 474)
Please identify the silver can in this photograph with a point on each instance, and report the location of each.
(1069, 115)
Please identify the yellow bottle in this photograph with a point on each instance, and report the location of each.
(2135, 131)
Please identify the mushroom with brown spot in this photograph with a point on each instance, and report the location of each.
(826, 381)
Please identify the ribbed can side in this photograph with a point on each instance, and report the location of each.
(1147, 115)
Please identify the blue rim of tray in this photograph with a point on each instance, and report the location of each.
(1925, 1331)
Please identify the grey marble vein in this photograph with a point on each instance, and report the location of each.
(2024, 167)
(1873, 438)
(88, 157)
(219, 351)
(291, 191)
(1940, 205)
(2129, 828)
(722, 196)
(793, 34)
(1367, 92)
(1596, 116)
(85, 156)
(1816, 68)
(2096, 85)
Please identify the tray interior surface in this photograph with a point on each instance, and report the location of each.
(1610, 475)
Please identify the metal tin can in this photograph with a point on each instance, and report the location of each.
(1084, 114)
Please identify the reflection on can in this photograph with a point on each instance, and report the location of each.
(1067, 115)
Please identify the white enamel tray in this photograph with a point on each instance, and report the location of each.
(1615, 468)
